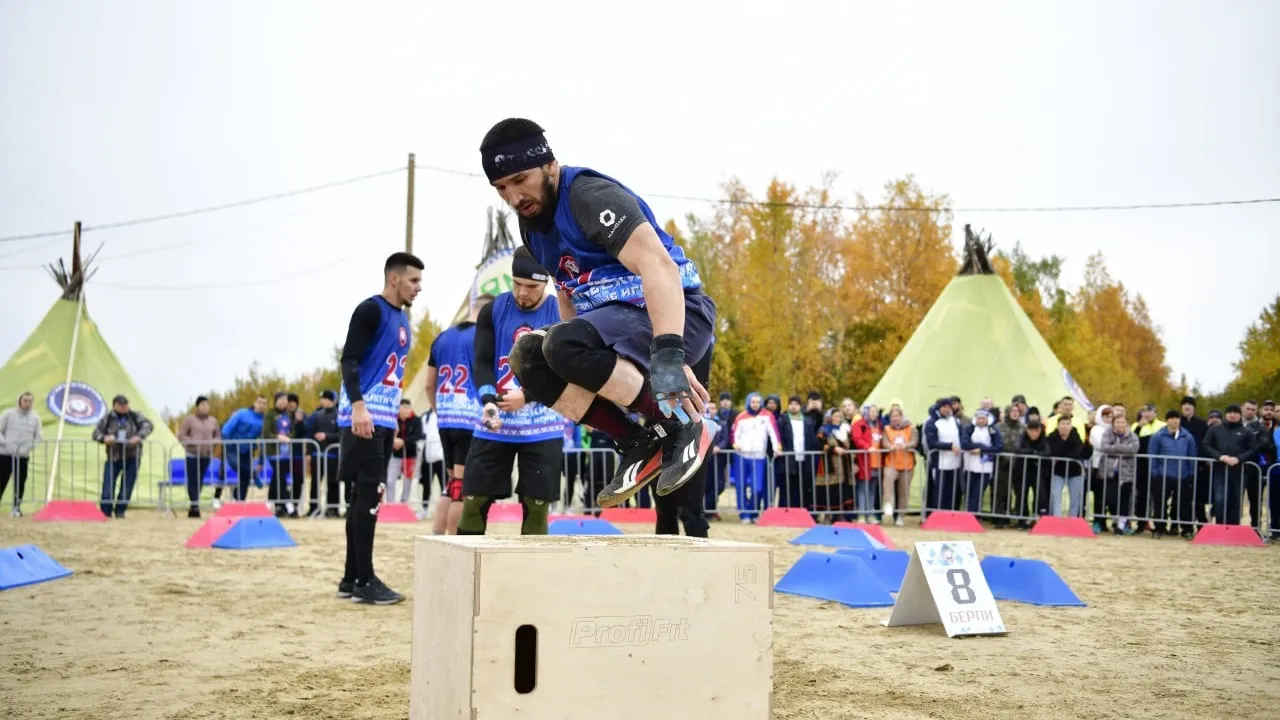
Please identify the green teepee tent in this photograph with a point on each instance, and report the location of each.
(975, 342)
(66, 350)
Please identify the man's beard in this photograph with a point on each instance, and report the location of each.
(546, 216)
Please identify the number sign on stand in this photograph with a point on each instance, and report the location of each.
(944, 584)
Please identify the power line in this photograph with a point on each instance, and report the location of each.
(200, 211)
(895, 208)
(228, 286)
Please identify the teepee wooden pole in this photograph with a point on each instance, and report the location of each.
(71, 361)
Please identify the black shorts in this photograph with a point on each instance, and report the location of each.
(490, 464)
(456, 443)
(365, 461)
(625, 328)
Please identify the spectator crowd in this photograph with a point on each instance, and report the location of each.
(1145, 473)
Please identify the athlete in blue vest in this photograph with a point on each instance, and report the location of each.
(513, 426)
(635, 316)
(378, 342)
(450, 371)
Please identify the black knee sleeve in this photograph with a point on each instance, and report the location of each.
(577, 354)
(529, 365)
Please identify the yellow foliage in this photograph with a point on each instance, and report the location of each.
(423, 335)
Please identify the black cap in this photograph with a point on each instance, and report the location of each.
(119, 400)
(1233, 408)
(329, 395)
(1215, 414)
(815, 395)
(1188, 400)
(726, 396)
(1034, 425)
(1172, 414)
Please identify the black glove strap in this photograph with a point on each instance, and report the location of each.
(667, 342)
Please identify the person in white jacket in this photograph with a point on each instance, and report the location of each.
(20, 432)
(753, 431)
(432, 467)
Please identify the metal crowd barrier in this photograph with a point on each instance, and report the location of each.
(1121, 493)
(1168, 494)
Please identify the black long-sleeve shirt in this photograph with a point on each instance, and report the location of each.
(364, 325)
(485, 348)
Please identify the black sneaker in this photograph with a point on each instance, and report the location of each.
(375, 592)
(640, 463)
(193, 513)
(690, 447)
(344, 589)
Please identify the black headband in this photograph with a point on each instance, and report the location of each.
(516, 156)
(526, 268)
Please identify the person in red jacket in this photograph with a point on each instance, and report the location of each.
(866, 433)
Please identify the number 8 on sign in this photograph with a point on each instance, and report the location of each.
(944, 584)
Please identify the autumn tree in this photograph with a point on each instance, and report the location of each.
(1103, 335)
(423, 336)
(1257, 372)
(895, 264)
(245, 388)
(809, 300)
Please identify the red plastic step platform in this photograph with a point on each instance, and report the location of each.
(1062, 527)
(634, 516)
(396, 513)
(871, 529)
(501, 512)
(70, 511)
(210, 531)
(952, 521)
(785, 517)
(244, 509)
(1234, 535)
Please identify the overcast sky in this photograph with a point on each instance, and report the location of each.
(112, 111)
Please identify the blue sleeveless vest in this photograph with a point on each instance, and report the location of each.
(587, 272)
(382, 370)
(457, 403)
(533, 422)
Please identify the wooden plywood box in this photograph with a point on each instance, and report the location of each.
(630, 627)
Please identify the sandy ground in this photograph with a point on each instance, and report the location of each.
(147, 629)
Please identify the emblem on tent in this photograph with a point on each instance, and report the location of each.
(85, 405)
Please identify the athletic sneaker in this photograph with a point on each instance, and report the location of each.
(690, 446)
(640, 464)
(344, 589)
(375, 592)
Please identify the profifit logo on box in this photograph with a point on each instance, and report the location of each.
(626, 631)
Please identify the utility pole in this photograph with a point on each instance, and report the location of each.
(408, 221)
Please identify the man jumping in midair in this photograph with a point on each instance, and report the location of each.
(633, 314)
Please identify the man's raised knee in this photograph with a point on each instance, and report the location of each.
(526, 352)
(571, 349)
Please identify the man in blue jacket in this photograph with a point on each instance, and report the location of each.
(241, 433)
(1172, 478)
